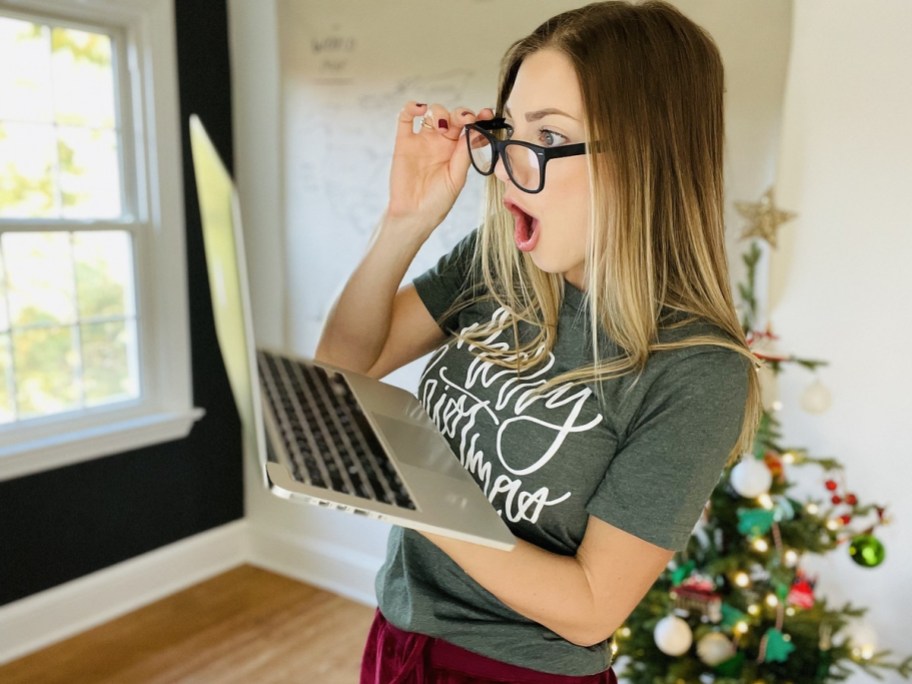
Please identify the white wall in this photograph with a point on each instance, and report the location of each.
(841, 279)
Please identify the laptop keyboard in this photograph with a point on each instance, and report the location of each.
(325, 433)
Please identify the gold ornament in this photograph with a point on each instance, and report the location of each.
(764, 217)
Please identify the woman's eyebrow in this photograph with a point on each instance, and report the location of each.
(541, 114)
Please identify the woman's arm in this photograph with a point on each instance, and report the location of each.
(583, 598)
(375, 326)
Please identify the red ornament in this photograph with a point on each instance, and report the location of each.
(698, 593)
(773, 463)
(846, 519)
(831, 485)
(836, 499)
(851, 499)
(801, 594)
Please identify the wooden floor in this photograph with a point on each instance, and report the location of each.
(246, 626)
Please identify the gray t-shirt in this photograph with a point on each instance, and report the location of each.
(643, 457)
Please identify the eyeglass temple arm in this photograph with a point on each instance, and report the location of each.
(564, 150)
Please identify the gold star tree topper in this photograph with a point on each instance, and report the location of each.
(765, 218)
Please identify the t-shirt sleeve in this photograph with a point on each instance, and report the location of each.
(440, 287)
(675, 449)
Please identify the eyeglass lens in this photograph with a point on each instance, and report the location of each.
(521, 163)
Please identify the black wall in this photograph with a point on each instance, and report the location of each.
(62, 524)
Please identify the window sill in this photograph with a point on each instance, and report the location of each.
(46, 453)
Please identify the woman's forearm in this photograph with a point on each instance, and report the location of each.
(546, 587)
(359, 321)
(582, 598)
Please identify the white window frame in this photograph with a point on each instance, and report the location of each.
(152, 142)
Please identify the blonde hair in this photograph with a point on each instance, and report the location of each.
(652, 89)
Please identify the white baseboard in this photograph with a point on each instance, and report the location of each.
(42, 619)
(333, 567)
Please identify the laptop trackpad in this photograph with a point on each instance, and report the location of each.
(419, 446)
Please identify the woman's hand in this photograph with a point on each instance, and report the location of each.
(429, 167)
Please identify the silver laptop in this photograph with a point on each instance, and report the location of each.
(324, 435)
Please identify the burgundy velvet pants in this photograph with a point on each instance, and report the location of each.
(392, 656)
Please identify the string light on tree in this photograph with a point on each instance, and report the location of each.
(742, 579)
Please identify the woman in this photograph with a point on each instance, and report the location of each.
(589, 370)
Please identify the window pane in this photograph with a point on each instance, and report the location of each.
(109, 363)
(4, 314)
(27, 160)
(45, 368)
(89, 173)
(7, 414)
(83, 78)
(39, 269)
(25, 91)
(104, 274)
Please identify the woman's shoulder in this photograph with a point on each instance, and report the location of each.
(691, 331)
(691, 374)
(692, 362)
(696, 341)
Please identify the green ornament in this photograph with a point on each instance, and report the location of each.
(777, 647)
(731, 616)
(731, 667)
(682, 572)
(867, 550)
(754, 521)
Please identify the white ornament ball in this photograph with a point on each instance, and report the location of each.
(673, 636)
(750, 477)
(862, 639)
(816, 398)
(715, 648)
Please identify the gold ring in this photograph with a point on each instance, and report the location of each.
(427, 124)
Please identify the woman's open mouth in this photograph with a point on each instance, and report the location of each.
(525, 232)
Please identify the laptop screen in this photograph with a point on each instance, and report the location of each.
(224, 247)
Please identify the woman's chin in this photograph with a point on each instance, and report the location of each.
(572, 274)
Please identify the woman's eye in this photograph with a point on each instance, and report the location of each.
(550, 138)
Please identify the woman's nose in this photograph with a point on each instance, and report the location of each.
(500, 170)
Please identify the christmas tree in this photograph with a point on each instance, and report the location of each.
(737, 606)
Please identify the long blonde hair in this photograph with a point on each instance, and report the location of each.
(652, 89)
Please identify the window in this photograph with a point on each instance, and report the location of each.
(94, 355)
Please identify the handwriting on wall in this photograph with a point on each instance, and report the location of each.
(332, 54)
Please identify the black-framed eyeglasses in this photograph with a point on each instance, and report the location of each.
(525, 162)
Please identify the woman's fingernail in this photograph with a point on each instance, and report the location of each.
(443, 124)
(419, 104)
(466, 113)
